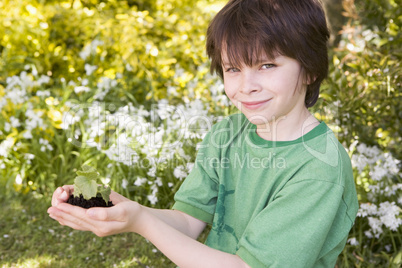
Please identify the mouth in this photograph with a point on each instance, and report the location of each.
(253, 105)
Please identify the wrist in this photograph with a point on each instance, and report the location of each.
(139, 221)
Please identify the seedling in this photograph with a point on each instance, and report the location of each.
(87, 192)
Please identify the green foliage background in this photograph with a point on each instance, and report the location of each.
(151, 51)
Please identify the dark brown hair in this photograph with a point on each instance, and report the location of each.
(246, 29)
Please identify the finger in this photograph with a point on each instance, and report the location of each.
(72, 216)
(69, 189)
(55, 195)
(75, 211)
(76, 219)
(61, 194)
(70, 222)
(115, 213)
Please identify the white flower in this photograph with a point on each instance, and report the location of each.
(89, 69)
(378, 173)
(388, 213)
(17, 96)
(368, 234)
(24, 81)
(359, 161)
(43, 93)
(154, 189)
(367, 209)
(124, 183)
(353, 241)
(15, 122)
(179, 172)
(153, 199)
(45, 145)
(34, 119)
(158, 181)
(104, 85)
(375, 225)
(90, 49)
(129, 67)
(164, 110)
(27, 134)
(85, 53)
(140, 181)
(172, 91)
(391, 164)
(7, 127)
(388, 247)
(106, 180)
(71, 83)
(69, 119)
(29, 157)
(80, 89)
(18, 179)
(190, 166)
(391, 222)
(5, 146)
(152, 172)
(44, 79)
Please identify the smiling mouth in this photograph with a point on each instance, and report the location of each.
(252, 105)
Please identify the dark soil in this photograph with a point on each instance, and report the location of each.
(93, 202)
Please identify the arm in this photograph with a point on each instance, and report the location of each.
(183, 250)
(181, 221)
(171, 231)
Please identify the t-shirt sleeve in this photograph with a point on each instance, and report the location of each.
(289, 232)
(197, 195)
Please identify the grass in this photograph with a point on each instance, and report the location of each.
(29, 238)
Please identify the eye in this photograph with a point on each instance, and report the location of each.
(232, 70)
(267, 66)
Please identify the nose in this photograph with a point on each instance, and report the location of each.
(249, 83)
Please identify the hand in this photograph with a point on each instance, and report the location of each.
(122, 217)
(62, 194)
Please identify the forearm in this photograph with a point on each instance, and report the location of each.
(179, 221)
(183, 250)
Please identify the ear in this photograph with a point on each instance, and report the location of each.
(308, 80)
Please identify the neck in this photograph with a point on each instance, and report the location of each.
(288, 128)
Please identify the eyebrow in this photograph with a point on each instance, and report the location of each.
(258, 62)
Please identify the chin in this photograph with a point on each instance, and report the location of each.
(264, 120)
(258, 120)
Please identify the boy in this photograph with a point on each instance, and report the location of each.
(273, 181)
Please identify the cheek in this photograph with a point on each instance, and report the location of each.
(229, 89)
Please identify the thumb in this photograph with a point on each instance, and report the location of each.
(103, 214)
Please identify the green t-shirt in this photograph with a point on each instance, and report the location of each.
(274, 204)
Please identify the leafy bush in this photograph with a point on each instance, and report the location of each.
(364, 92)
(124, 86)
(95, 70)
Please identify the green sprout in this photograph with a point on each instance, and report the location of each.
(85, 184)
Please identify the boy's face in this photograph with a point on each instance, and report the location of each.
(268, 91)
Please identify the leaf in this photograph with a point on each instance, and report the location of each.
(89, 172)
(85, 186)
(397, 260)
(105, 192)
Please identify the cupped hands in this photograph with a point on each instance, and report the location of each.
(124, 216)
